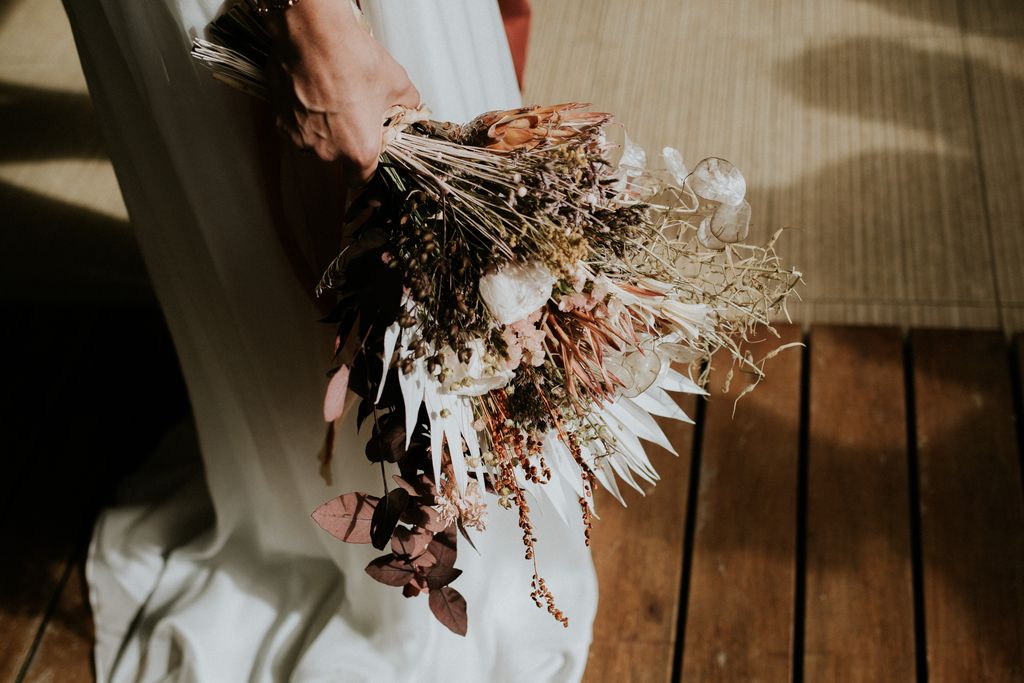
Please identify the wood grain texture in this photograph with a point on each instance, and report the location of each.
(64, 654)
(739, 625)
(972, 511)
(638, 554)
(28, 583)
(859, 620)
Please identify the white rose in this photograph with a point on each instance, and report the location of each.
(517, 290)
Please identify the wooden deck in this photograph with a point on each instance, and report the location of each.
(861, 518)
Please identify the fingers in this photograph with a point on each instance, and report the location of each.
(354, 140)
(408, 95)
(358, 167)
(350, 134)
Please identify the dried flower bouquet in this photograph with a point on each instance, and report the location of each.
(517, 298)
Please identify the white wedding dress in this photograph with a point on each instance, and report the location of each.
(227, 578)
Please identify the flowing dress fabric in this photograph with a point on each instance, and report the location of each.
(226, 578)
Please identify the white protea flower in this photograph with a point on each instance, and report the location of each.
(515, 291)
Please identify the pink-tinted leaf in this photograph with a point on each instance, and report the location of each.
(443, 547)
(386, 516)
(390, 570)
(412, 589)
(347, 517)
(449, 607)
(410, 543)
(425, 560)
(439, 575)
(337, 389)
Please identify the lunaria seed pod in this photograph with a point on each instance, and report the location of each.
(719, 181)
(727, 225)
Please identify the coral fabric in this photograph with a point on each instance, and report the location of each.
(516, 15)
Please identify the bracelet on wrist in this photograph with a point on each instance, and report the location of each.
(265, 7)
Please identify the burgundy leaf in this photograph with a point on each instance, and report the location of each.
(386, 516)
(337, 389)
(346, 322)
(390, 570)
(443, 547)
(410, 543)
(465, 534)
(348, 517)
(365, 408)
(439, 575)
(419, 514)
(362, 380)
(388, 440)
(449, 607)
(417, 486)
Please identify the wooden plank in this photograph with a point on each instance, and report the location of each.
(859, 620)
(972, 508)
(29, 577)
(65, 649)
(741, 595)
(638, 554)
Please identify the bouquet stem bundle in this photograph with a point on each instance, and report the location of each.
(517, 299)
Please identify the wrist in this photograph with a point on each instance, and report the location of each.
(309, 23)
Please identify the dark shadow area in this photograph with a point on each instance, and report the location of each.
(974, 16)
(59, 253)
(88, 392)
(892, 82)
(54, 251)
(41, 123)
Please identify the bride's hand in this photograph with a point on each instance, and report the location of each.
(331, 83)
